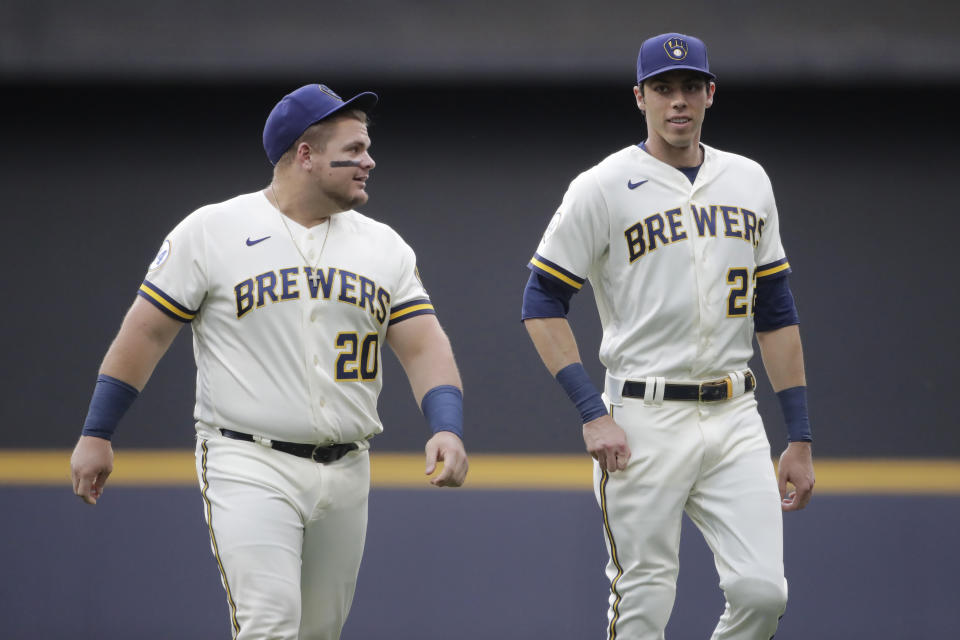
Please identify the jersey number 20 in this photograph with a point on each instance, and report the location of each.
(359, 359)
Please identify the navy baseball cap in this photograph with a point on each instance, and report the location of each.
(670, 51)
(299, 109)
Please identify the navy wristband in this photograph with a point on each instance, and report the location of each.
(443, 408)
(575, 381)
(111, 399)
(793, 402)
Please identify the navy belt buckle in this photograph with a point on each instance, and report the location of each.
(713, 391)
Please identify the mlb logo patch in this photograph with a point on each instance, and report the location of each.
(676, 48)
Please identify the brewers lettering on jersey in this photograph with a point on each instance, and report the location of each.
(260, 301)
(291, 294)
(681, 244)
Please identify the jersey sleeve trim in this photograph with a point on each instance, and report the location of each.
(417, 307)
(555, 271)
(153, 294)
(779, 268)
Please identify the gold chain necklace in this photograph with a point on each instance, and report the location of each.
(314, 274)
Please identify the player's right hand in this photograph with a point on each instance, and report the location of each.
(607, 442)
(90, 465)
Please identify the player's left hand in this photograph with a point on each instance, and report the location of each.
(796, 468)
(446, 447)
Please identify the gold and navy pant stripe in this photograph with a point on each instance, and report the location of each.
(155, 296)
(555, 272)
(213, 541)
(410, 309)
(617, 597)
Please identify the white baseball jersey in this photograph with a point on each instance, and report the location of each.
(288, 322)
(672, 264)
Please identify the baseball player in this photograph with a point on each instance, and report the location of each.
(681, 244)
(291, 294)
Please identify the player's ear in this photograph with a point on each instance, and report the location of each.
(638, 94)
(304, 155)
(711, 89)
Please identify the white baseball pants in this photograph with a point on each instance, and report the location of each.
(287, 534)
(711, 460)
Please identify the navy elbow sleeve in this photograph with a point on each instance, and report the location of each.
(543, 298)
(775, 307)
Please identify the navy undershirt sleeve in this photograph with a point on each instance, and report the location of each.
(775, 307)
(545, 298)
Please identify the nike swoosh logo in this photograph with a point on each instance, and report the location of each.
(250, 242)
(634, 185)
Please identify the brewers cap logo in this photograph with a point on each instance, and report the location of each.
(327, 90)
(676, 48)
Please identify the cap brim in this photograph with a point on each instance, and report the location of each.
(676, 67)
(365, 101)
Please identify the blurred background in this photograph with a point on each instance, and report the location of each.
(122, 118)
